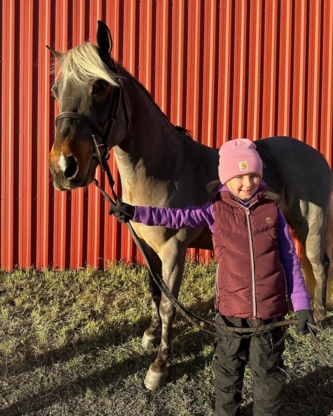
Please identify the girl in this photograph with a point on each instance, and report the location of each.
(257, 271)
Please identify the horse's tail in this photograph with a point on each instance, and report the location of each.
(306, 265)
(328, 249)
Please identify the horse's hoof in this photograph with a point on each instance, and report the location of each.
(155, 381)
(149, 341)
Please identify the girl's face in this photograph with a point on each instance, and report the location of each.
(244, 186)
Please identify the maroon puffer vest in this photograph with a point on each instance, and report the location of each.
(250, 281)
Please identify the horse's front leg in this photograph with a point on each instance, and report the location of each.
(173, 268)
(152, 335)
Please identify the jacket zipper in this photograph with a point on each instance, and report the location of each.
(217, 288)
(254, 297)
(216, 282)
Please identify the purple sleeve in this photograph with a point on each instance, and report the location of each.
(194, 217)
(297, 291)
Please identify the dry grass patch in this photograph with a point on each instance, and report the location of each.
(71, 345)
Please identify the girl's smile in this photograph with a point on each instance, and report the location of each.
(244, 186)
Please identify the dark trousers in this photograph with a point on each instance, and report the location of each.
(264, 356)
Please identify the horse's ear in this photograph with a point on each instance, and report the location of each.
(104, 39)
(58, 55)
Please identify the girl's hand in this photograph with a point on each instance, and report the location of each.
(122, 211)
(304, 317)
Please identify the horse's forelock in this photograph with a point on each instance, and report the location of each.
(82, 65)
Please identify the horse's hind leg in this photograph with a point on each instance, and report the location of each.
(312, 236)
(320, 264)
(152, 335)
(173, 268)
(321, 239)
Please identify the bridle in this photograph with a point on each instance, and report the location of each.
(103, 162)
(118, 100)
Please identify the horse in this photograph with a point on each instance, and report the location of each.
(102, 106)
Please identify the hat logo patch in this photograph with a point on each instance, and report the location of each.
(243, 166)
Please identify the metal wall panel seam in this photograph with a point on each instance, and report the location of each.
(8, 145)
(285, 68)
(77, 232)
(25, 112)
(177, 79)
(161, 55)
(299, 70)
(44, 216)
(326, 132)
(314, 75)
(94, 13)
(239, 69)
(78, 239)
(111, 237)
(94, 221)
(146, 44)
(254, 76)
(111, 234)
(225, 67)
(209, 76)
(269, 69)
(131, 24)
(94, 207)
(80, 22)
(113, 18)
(181, 70)
(193, 68)
(62, 212)
(1, 127)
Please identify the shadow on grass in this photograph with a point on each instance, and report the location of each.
(305, 396)
(110, 377)
(299, 392)
(114, 335)
(301, 397)
(94, 381)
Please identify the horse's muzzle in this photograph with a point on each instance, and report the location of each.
(66, 173)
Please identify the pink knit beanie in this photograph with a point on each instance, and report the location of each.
(238, 157)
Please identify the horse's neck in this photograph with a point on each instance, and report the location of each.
(150, 141)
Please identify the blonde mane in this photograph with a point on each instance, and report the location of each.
(82, 65)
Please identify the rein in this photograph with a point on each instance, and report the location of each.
(188, 315)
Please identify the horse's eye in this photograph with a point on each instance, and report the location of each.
(100, 86)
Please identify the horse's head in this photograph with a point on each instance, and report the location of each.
(93, 114)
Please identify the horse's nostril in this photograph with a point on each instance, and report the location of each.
(71, 167)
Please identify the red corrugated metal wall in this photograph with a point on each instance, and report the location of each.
(220, 68)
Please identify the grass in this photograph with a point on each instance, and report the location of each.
(70, 344)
